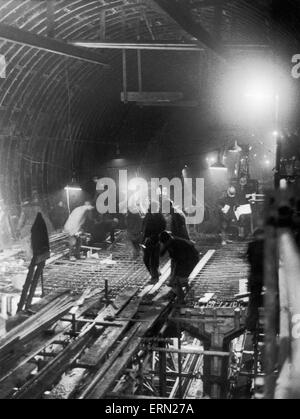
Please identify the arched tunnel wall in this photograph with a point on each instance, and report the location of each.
(58, 114)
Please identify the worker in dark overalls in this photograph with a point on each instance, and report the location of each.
(175, 219)
(154, 224)
(134, 224)
(227, 206)
(184, 258)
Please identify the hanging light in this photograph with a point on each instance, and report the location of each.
(236, 148)
(219, 165)
(73, 186)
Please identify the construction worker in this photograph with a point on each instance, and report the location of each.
(184, 258)
(244, 191)
(73, 228)
(175, 219)
(134, 224)
(154, 224)
(227, 206)
(29, 212)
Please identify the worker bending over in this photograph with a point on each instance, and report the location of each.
(73, 228)
(184, 258)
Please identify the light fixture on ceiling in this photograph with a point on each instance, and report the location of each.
(236, 148)
(219, 165)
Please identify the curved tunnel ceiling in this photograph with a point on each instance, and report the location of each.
(54, 107)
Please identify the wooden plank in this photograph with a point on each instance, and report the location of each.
(206, 258)
(35, 346)
(207, 297)
(150, 287)
(151, 96)
(107, 365)
(43, 381)
(103, 383)
(166, 272)
(99, 350)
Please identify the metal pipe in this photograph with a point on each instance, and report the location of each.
(192, 352)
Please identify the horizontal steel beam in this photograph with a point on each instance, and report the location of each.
(19, 36)
(181, 14)
(137, 46)
(159, 46)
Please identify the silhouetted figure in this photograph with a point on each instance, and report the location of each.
(227, 206)
(27, 218)
(134, 224)
(184, 257)
(176, 221)
(154, 224)
(39, 237)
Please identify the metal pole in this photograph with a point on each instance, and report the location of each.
(68, 200)
(124, 75)
(179, 362)
(139, 57)
(162, 371)
(278, 143)
(271, 300)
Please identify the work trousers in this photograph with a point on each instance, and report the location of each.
(151, 258)
(75, 246)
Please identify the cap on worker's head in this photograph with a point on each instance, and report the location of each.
(231, 191)
(89, 205)
(165, 237)
(243, 181)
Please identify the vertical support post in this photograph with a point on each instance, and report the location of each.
(124, 76)
(140, 77)
(162, 371)
(271, 302)
(50, 18)
(68, 200)
(278, 144)
(179, 363)
(106, 293)
(102, 28)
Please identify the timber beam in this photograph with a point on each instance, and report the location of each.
(19, 36)
(183, 17)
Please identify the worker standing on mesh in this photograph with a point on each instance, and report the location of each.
(184, 258)
(154, 224)
(73, 228)
(134, 224)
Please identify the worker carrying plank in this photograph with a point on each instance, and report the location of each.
(184, 257)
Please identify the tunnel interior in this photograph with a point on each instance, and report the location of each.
(95, 305)
(62, 116)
